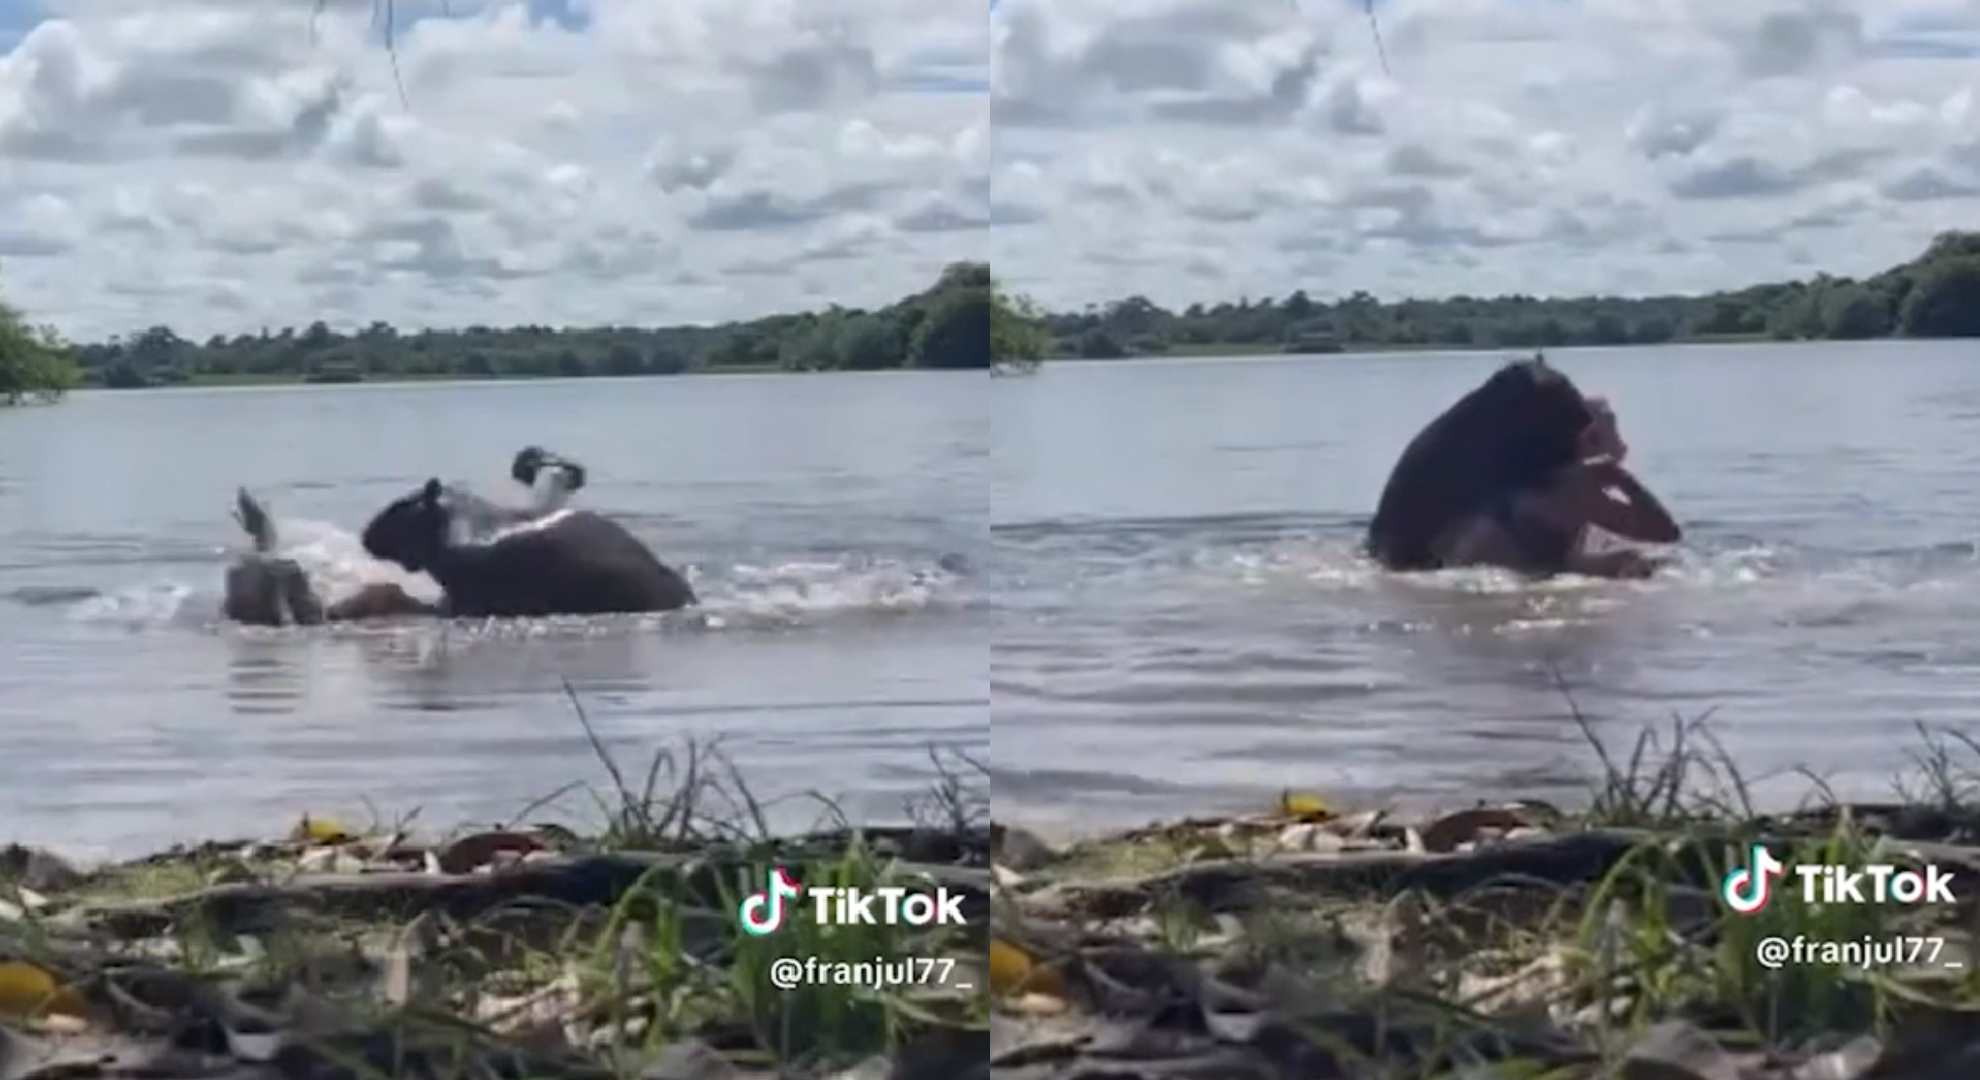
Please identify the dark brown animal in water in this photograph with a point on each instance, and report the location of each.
(570, 562)
(265, 589)
(1509, 433)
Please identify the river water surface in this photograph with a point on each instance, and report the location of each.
(1186, 622)
(832, 525)
(1161, 552)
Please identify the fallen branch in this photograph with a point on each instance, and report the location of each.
(1580, 858)
(579, 882)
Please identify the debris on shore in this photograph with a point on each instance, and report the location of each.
(1505, 941)
(524, 952)
(1511, 940)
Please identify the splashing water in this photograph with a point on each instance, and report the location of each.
(1731, 579)
(739, 597)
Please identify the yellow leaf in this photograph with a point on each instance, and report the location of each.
(1035, 1005)
(321, 831)
(1304, 807)
(27, 991)
(1013, 972)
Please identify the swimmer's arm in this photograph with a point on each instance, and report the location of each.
(1590, 494)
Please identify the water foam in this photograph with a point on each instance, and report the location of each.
(740, 597)
(1722, 580)
(1719, 582)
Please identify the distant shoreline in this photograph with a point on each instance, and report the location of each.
(1203, 351)
(944, 327)
(1236, 350)
(297, 379)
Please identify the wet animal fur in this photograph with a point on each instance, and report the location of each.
(1508, 433)
(571, 562)
(265, 589)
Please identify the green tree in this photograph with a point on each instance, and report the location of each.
(870, 343)
(815, 347)
(955, 334)
(1944, 300)
(1854, 313)
(1017, 328)
(35, 364)
(1100, 345)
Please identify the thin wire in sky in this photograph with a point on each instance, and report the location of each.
(1374, 30)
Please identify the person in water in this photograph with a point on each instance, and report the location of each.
(1544, 529)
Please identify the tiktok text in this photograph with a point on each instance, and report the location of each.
(1867, 953)
(790, 973)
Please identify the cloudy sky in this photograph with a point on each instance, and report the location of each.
(219, 165)
(1204, 149)
(224, 164)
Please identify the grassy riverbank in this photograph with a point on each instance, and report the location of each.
(1506, 940)
(1515, 940)
(518, 950)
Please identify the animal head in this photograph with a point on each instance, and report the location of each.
(1530, 416)
(1509, 432)
(413, 530)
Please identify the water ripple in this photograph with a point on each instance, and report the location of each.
(843, 627)
(1193, 612)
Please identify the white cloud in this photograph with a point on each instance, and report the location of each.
(1206, 149)
(223, 164)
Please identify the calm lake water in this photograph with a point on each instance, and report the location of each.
(1184, 620)
(834, 526)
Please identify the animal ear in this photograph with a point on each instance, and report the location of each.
(430, 494)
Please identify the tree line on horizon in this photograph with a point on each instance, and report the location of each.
(1936, 295)
(944, 327)
(964, 321)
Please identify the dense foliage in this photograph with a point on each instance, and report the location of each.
(947, 326)
(963, 321)
(1017, 329)
(1934, 295)
(34, 363)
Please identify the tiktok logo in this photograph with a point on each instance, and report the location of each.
(764, 912)
(1748, 888)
